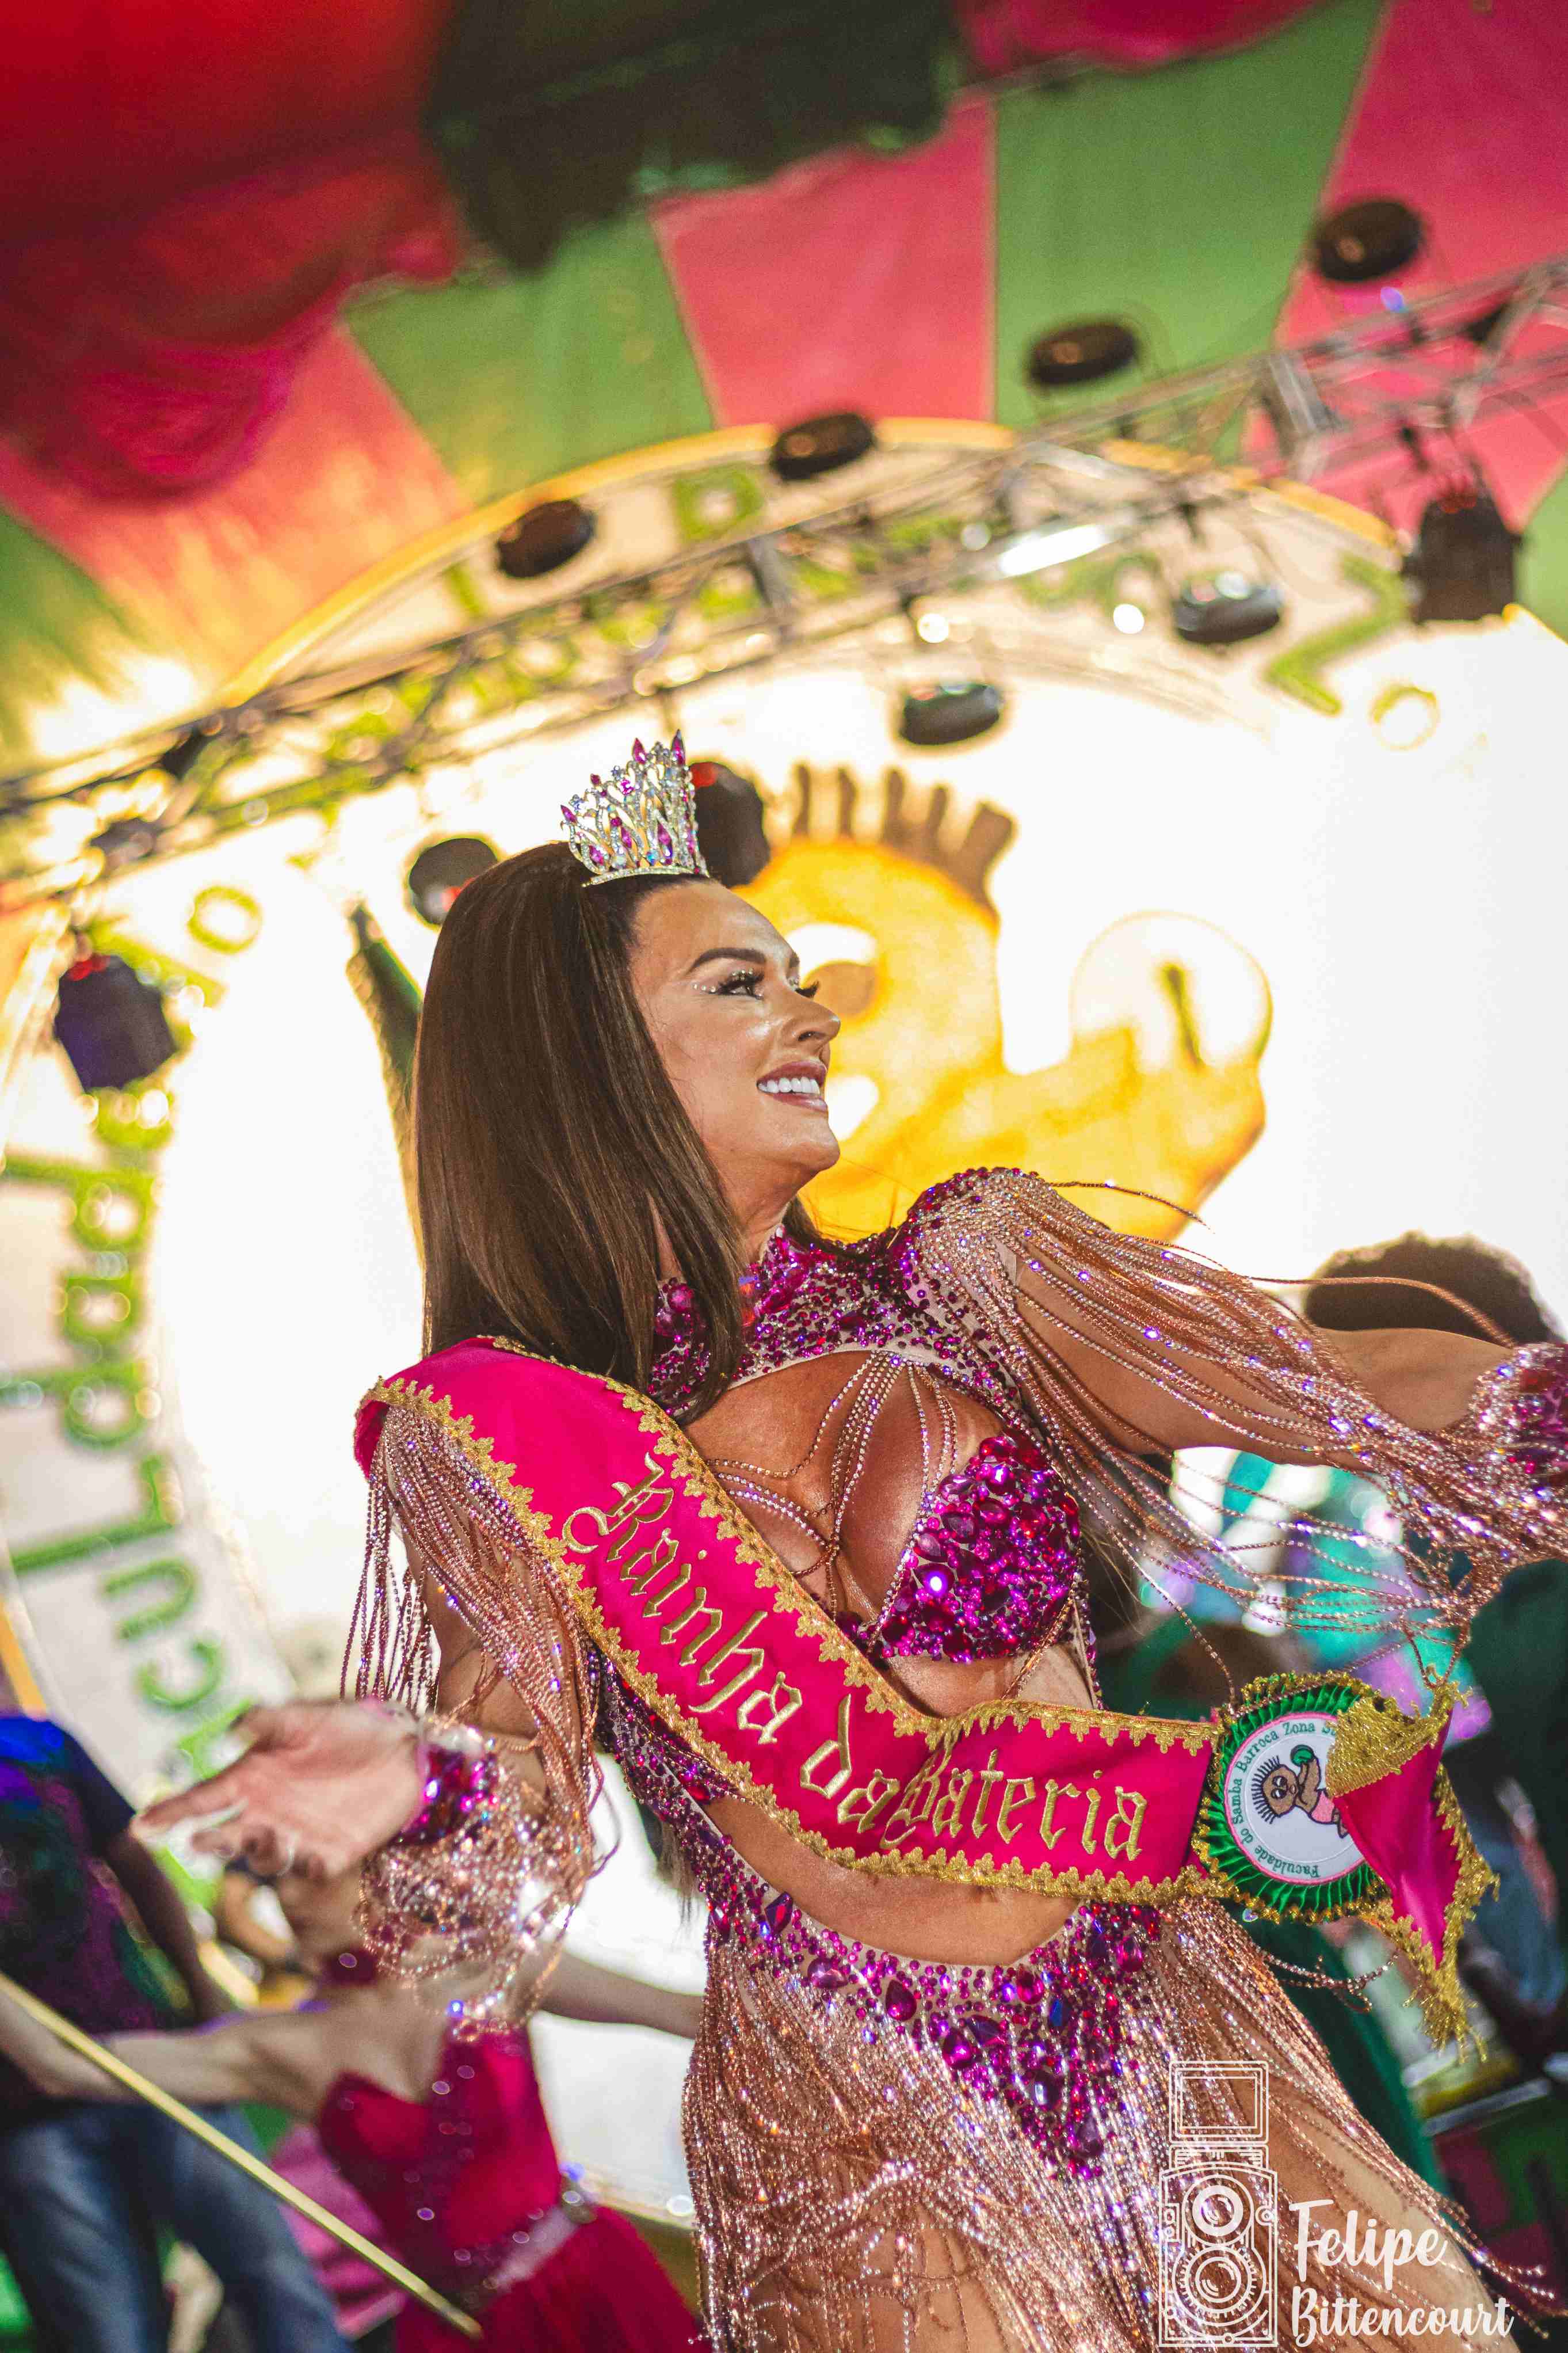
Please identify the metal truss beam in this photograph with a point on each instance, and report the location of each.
(1085, 479)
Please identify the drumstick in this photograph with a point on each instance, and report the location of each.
(344, 2232)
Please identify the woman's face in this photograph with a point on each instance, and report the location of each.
(746, 1048)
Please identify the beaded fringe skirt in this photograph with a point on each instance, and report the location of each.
(855, 2195)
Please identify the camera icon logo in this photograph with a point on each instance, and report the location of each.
(1219, 2208)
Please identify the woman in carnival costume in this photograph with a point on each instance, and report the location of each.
(793, 1529)
(446, 2141)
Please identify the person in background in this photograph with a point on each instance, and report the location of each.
(444, 2138)
(80, 2184)
(1518, 1654)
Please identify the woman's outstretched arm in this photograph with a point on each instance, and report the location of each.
(1424, 1379)
(276, 2058)
(326, 1784)
(579, 1989)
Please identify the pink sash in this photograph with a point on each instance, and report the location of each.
(685, 1601)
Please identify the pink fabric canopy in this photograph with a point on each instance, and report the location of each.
(155, 315)
(151, 359)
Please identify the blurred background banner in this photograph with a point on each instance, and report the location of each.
(128, 1581)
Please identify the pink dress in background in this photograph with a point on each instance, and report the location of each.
(468, 2192)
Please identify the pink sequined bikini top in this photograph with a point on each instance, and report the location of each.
(991, 1567)
(991, 1564)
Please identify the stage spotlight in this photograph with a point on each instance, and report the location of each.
(934, 715)
(1366, 241)
(1081, 352)
(1223, 609)
(111, 1023)
(1463, 560)
(544, 539)
(440, 870)
(729, 830)
(820, 445)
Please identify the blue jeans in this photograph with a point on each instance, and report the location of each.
(74, 2186)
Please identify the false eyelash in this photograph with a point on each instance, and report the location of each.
(749, 984)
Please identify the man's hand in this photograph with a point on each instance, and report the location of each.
(323, 1784)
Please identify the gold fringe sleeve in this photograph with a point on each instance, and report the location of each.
(997, 1256)
(472, 1619)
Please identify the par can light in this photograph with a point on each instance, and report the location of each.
(937, 715)
(111, 1023)
(820, 445)
(543, 539)
(441, 870)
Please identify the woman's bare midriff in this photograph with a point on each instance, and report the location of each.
(768, 1424)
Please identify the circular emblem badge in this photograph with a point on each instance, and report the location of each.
(1268, 1824)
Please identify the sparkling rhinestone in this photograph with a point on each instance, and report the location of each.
(1042, 2085)
(777, 1913)
(956, 2048)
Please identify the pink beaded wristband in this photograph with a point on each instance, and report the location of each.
(1520, 1414)
(458, 1772)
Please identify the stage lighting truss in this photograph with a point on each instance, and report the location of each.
(941, 526)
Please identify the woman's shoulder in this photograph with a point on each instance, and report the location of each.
(977, 1199)
(469, 1378)
(493, 1394)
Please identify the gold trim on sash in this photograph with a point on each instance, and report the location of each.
(785, 1594)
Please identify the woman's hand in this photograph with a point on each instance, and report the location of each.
(323, 1784)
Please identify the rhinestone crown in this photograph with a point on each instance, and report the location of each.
(639, 819)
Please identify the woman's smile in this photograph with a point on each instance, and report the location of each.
(797, 1083)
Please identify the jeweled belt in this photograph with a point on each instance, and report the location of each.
(531, 2249)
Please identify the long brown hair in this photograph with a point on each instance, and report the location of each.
(551, 1147)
